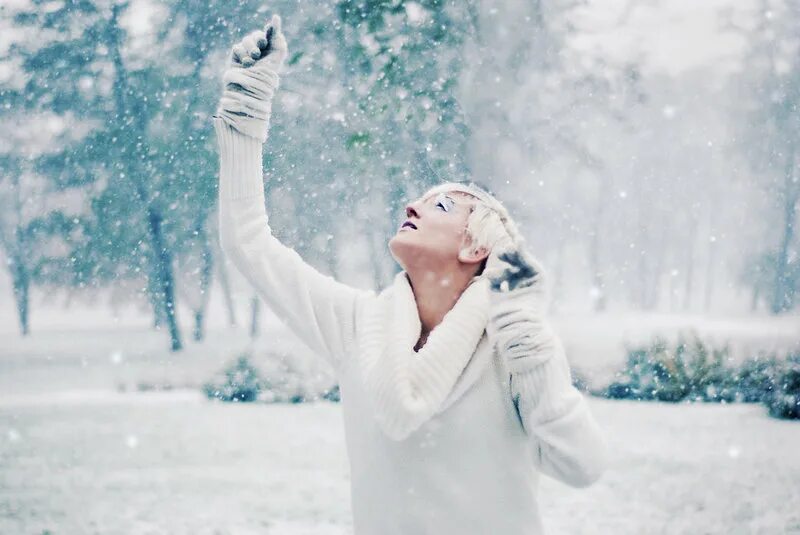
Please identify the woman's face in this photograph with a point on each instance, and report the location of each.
(434, 232)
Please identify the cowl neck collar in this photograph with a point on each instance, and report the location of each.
(406, 388)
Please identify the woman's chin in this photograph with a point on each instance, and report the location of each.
(412, 255)
(402, 249)
(401, 236)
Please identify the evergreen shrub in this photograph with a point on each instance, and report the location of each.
(696, 371)
(242, 381)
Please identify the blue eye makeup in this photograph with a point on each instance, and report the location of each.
(445, 202)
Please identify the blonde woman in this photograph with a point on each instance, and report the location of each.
(456, 392)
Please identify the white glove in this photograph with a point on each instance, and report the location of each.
(510, 267)
(251, 80)
(517, 325)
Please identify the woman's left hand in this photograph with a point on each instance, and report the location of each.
(518, 302)
(511, 268)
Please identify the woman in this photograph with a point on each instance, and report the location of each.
(456, 393)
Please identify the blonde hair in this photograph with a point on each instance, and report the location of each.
(489, 222)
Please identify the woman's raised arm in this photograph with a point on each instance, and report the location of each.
(320, 310)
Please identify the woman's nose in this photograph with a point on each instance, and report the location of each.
(411, 211)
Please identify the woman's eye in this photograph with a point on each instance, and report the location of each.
(445, 203)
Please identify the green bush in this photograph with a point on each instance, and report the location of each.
(332, 394)
(688, 371)
(783, 401)
(755, 378)
(239, 382)
(242, 381)
(697, 372)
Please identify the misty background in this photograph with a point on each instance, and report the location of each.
(648, 149)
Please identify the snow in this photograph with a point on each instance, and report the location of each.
(177, 463)
(689, 216)
(123, 354)
(172, 464)
(79, 454)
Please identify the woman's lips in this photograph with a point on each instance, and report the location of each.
(408, 224)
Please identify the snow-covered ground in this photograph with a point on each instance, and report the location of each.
(179, 464)
(81, 451)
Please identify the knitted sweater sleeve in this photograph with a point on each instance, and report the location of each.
(565, 440)
(318, 309)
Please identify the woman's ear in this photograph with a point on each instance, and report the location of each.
(473, 255)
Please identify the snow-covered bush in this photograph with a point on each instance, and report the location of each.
(697, 372)
(691, 371)
(579, 380)
(332, 394)
(756, 378)
(276, 379)
(285, 384)
(783, 401)
(239, 382)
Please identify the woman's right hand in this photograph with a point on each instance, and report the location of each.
(261, 49)
(251, 79)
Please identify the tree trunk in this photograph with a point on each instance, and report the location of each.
(154, 295)
(689, 280)
(206, 273)
(255, 307)
(21, 282)
(656, 268)
(165, 277)
(712, 249)
(15, 250)
(783, 288)
(198, 332)
(161, 259)
(599, 296)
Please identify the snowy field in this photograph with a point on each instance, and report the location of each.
(176, 463)
(91, 348)
(83, 451)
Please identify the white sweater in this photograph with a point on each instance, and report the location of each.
(447, 440)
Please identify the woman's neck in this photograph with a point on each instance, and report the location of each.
(435, 294)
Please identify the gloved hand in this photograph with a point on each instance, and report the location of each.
(517, 325)
(251, 79)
